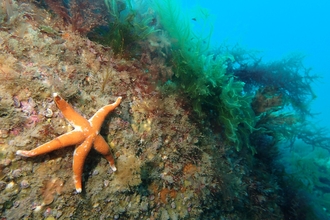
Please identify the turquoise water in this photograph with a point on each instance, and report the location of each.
(278, 28)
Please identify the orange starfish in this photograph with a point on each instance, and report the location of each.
(85, 133)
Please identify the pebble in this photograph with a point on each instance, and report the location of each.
(17, 173)
(106, 183)
(173, 205)
(95, 172)
(17, 203)
(37, 208)
(25, 184)
(11, 186)
(4, 133)
(6, 170)
(6, 162)
(2, 185)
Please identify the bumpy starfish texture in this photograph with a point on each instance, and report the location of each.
(85, 133)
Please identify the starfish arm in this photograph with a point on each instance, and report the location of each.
(79, 157)
(70, 138)
(101, 146)
(98, 118)
(69, 113)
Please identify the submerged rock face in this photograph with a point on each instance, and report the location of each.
(169, 166)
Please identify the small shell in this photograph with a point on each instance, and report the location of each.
(95, 172)
(48, 113)
(24, 184)
(17, 173)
